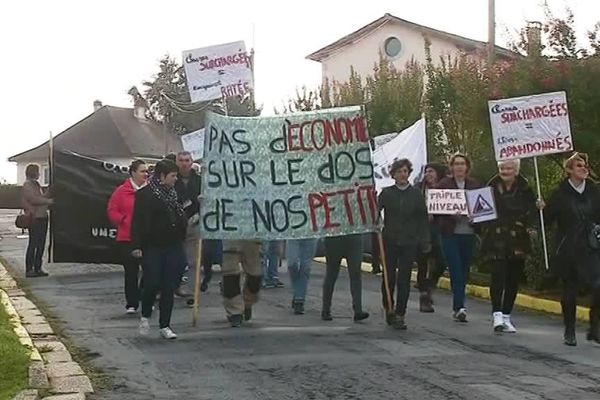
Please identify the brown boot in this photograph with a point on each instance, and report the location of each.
(425, 303)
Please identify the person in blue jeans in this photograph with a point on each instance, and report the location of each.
(270, 258)
(458, 235)
(300, 253)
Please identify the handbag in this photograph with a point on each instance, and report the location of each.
(24, 221)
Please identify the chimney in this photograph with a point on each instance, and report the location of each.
(534, 39)
(139, 110)
(97, 105)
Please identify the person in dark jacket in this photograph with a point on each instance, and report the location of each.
(120, 213)
(157, 236)
(575, 208)
(506, 240)
(431, 264)
(349, 247)
(458, 235)
(405, 232)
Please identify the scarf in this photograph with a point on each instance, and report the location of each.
(167, 195)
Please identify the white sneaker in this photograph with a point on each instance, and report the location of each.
(131, 310)
(507, 324)
(144, 326)
(461, 315)
(167, 333)
(498, 322)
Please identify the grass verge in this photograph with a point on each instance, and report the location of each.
(14, 359)
(80, 355)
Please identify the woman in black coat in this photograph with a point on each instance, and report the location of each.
(575, 207)
(157, 235)
(506, 240)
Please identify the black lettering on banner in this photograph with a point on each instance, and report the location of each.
(226, 214)
(275, 217)
(274, 175)
(225, 142)
(298, 211)
(210, 221)
(365, 161)
(214, 134)
(279, 145)
(265, 218)
(337, 166)
(246, 174)
(292, 170)
(216, 183)
(236, 182)
(238, 140)
(327, 168)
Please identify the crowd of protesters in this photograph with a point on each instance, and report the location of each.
(157, 216)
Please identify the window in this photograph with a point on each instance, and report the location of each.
(392, 47)
(45, 176)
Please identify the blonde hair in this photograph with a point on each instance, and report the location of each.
(516, 162)
(570, 162)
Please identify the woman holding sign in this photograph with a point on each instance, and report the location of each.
(506, 240)
(575, 207)
(458, 235)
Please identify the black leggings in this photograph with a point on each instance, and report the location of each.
(505, 284)
(569, 300)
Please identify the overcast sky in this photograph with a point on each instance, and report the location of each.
(59, 56)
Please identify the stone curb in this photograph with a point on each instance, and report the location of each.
(483, 292)
(52, 367)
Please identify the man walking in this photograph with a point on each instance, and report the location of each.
(188, 189)
(405, 231)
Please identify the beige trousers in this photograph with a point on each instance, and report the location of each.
(244, 253)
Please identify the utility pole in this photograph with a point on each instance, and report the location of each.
(491, 31)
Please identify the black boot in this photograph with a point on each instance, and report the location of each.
(30, 273)
(298, 306)
(425, 303)
(40, 272)
(570, 339)
(326, 315)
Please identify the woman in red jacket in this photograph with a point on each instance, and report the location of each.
(120, 213)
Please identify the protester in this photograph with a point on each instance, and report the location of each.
(575, 207)
(349, 247)
(300, 253)
(271, 251)
(458, 235)
(405, 232)
(120, 214)
(188, 189)
(158, 233)
(430, 264)
(506, 240)
(35, 205)
(247, 254)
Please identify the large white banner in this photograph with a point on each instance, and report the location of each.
(218, 71)
(530, 126)
(411, 143)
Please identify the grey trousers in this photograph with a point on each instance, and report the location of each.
(349, 247)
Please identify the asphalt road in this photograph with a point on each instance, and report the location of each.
(281, 356)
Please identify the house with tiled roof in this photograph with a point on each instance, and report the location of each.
(398, 40)
(113, 134)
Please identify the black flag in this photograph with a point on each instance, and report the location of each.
(80, 226)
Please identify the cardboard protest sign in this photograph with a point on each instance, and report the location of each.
(530, 126)
(218, 71)
(410, 143)
(481, 204)
(446, 202)
(299, 175)
(194, 143)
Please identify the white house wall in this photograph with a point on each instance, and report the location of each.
(364, 54)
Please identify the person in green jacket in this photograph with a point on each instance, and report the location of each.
(405, 232)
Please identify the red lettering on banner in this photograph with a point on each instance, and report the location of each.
(326, 133)
(560, 144)
(323, 201)
(553, 110)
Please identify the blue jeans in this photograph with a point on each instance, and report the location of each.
(458, 251)
(300, 253)
(162, 273)
(270, 257)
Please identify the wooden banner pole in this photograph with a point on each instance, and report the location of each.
(542, 224)
(386, 284)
